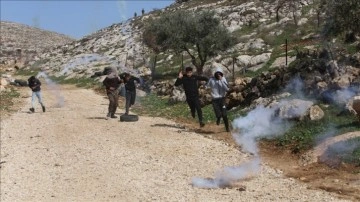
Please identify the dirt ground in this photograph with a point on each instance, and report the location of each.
(71, 153)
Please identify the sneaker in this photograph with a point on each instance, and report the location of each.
(218, 121)
(227, 129)
(202, 124)
(113, 116)
(108, 116)
(43, 108)
(32, 110)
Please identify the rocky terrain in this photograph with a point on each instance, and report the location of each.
(121, 44)
(22, 43)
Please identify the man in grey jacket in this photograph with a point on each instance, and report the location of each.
(219, 88)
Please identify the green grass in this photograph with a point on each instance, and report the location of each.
(303, 135)
(7, 97)
(28, 72)
(156, 106)
(79, 82)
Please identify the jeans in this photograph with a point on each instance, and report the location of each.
(130, 100)
(220, 110)
(34, 95)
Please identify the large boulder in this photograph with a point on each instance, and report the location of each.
(177, 95)
(294, 109)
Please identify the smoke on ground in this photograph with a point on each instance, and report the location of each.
(262, 122)
(54, 89)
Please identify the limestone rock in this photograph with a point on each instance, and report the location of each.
(316, 113)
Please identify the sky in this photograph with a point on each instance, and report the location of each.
(75, 18)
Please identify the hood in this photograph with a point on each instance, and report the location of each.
(219, 69)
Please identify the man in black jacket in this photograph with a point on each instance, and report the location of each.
(112, 83)
(190, 84)
(130, 89)
(35, 84)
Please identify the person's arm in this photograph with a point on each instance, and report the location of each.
(137, 79)
(179, 80)
(202, 78)
(106, 82)
(32, 86)
(223, 84)
(210, 83)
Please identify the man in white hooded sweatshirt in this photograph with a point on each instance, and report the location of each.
(219, 88)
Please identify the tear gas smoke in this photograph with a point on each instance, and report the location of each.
(121, 4)
(342, 97)
(259, 123)
(85, 60)
(265, 122)
(228, 175)
(296, 87)
(36, 22)
(54, 88)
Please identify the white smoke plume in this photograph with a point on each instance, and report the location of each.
(121, 4)
(36, 22)
(259, 123)
(296, 87)
(54, 88)
(343, 96)
(262, 122)
(228, 175)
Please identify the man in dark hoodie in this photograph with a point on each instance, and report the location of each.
(130, 89)
(190, 84)
(35, 84)
(112, 83)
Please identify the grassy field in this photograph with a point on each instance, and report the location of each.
(7, 99)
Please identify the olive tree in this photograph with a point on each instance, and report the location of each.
(342, 17)
(200, 35)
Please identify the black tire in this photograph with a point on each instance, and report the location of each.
(129, 118)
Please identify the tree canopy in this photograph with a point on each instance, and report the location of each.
(342, 16)
(198, 34)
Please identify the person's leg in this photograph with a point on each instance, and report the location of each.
(128, 102)
(224, 114)
(191, 106)
(217, 109)
(38, 95)
(199, 112)
(33, 96)
(111, 104)
(116, 104)
(133, 97)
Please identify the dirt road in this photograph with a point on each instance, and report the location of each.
(72, 153)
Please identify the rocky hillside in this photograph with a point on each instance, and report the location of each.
(258, 55)
(121, 44)
(22, 43)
